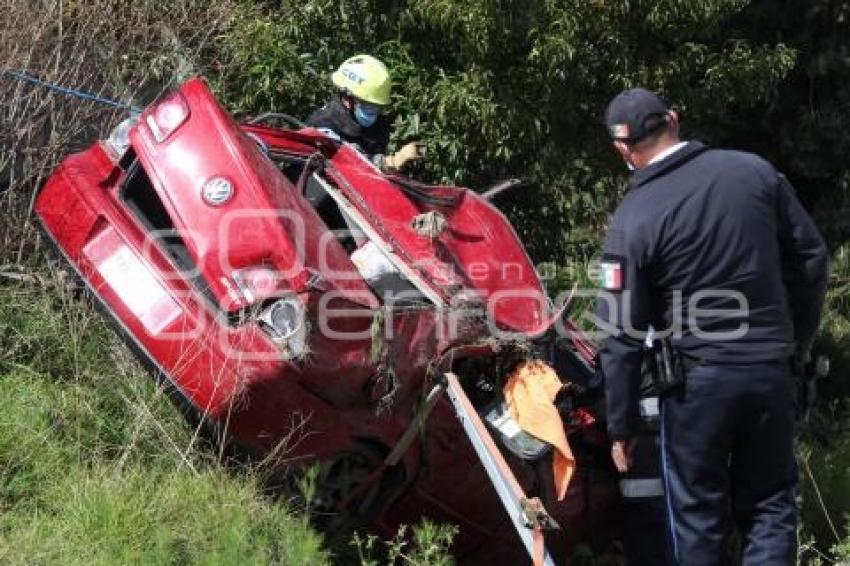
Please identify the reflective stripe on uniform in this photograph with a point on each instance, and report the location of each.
(641, 487)
(649, 407)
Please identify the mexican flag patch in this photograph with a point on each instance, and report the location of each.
(611, 275)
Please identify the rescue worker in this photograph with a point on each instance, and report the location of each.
(642, 488)
(356, 112)
(712, 248)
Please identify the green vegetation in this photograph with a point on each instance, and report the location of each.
(512, 89)
(426, 545)
(825, 447)
(95, 464)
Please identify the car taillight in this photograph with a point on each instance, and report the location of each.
(256, 283)
(119, 139)
(167, 116)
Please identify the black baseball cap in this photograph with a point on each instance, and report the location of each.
(634, 114)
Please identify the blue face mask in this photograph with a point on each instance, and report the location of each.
(366, 115)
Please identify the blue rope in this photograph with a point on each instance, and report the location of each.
(70, 91)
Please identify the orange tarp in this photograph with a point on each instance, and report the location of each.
(530, 393)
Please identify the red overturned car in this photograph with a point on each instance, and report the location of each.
(313, 309)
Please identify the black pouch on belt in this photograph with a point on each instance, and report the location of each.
(665, 365)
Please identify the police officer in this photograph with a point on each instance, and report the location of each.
(712, 248)
(356, 112)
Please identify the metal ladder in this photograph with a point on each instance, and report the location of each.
(528, 515)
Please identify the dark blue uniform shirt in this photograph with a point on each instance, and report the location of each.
(339, 119)
(712, 246)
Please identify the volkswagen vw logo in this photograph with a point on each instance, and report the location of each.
(217, 191)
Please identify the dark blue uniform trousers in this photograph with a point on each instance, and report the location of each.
(728, 444)
(645, 532)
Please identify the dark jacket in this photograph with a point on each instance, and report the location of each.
(699, 221)
(337, 118)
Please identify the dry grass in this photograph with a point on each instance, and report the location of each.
(127, 51)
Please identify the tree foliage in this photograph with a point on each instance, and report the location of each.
(498, 88)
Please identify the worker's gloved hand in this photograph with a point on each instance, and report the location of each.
(408, 152)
